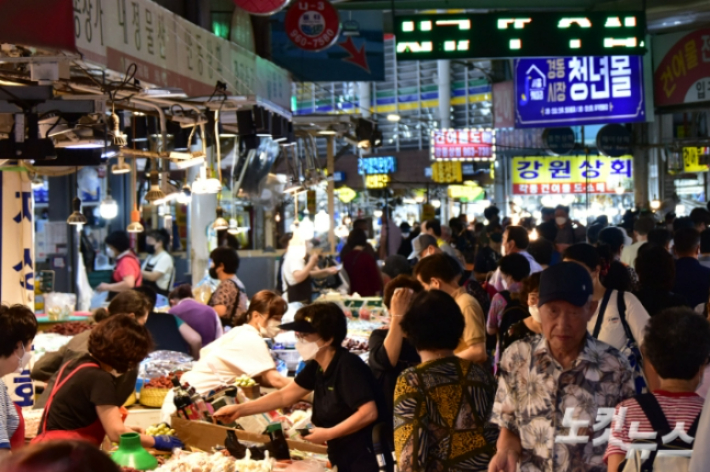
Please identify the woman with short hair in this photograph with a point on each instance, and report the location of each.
(442, 406)
(347, 402)
(84, 403)
(18, 327)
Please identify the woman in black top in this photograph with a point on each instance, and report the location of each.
(347, 402)
(390, 352)
(529, 326)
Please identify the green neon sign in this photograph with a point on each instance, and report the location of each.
(515, 34)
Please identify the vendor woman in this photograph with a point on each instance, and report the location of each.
(157, 269)
(242, 351)
(84, 403)
(18, 327)
(347, 402)
(127, 274)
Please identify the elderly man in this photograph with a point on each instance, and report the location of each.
(552, 385)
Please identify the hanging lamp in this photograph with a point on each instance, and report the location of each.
(77, 217)
(120, 167)
(154, 193)
(220, 223)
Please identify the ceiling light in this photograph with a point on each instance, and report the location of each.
(393, 117)
(82, 143)
(135, 226)
(327, 132)
(203, 185)
(108, 209)
(655, 204)
(77, 217)
(120, 167)
(185, 196)
(119, 139)
(220, 223)
(154, 193)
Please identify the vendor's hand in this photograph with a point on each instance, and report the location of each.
(314, 258)
(318, 436)
(401, 299)
(167, 443)
(332, 270)
(504, 461)
(103, 287)
(228, 414)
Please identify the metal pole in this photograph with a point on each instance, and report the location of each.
(331, 191)
(444, 70)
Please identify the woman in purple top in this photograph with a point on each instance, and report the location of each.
(198, 316)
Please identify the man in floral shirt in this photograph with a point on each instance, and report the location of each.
(543, 377)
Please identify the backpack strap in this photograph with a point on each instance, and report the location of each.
(600, 316)
(654, 413)
(621, 306)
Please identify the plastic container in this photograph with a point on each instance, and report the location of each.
(130, 453)
(290, 356)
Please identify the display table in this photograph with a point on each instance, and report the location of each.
(45, 323)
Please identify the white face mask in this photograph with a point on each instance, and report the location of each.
(560, 220)
(307, 349)
(24, 359)
(110, 253)
(270, 330)
(534, 313)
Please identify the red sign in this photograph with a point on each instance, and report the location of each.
(682, 73)
(42, 23)
(312, 25)
(261, 7)
(504, 104)
(562, 189)
(462, 144)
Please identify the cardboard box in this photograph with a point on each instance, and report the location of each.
(205, 436)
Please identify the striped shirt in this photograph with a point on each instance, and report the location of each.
(9, 419)
(678, 407)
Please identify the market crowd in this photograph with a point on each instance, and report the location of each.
(549, 347)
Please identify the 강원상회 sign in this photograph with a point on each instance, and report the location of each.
(569, 175)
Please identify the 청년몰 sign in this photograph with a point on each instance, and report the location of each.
(578, 91)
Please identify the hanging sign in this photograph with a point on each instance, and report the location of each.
(377, 181)
(692, 159)
(558, 140)
(569, 175)
(462, 144)
(346, 194)
(376, 165)
(614, 141)
(312, 25)
(578, 91)
(465, 193)
(446, 172)
(682, 73)
(261, 7)
(519, 34)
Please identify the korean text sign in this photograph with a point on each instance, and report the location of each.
(578, 91)
(569, 175)
(376, 165)
(682, 73)
(462, 144)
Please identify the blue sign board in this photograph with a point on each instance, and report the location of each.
(358, 55)
(578, 91)
(376, 165)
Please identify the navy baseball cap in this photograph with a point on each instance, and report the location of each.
(566, 281)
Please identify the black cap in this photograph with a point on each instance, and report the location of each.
(566, 281)
(300, 326)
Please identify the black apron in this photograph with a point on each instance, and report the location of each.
(301, 292)
(154, 285)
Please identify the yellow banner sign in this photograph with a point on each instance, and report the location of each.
(569, 174)
(691, 159)
(465, 193)
(446, 172)
(375, 181)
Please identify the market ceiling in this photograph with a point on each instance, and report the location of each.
(662, 15)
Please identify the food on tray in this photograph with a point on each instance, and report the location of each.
(72, 328)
